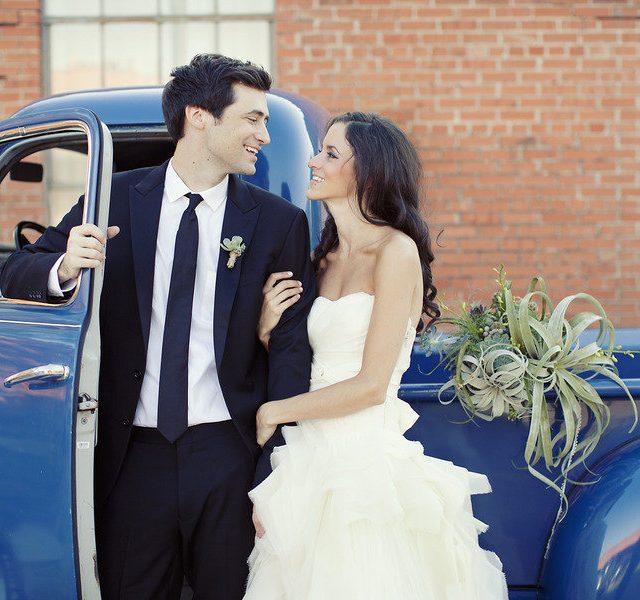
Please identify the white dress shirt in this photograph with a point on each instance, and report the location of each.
(206, 402)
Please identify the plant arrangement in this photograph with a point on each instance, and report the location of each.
(522, 358)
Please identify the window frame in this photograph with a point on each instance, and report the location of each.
(214, 18)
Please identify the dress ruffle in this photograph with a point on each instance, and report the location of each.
(370, 518)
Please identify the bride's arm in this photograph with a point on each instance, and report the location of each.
(397, 273)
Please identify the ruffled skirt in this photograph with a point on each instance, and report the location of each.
(355, 513)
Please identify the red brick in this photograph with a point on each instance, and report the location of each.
(524, 114)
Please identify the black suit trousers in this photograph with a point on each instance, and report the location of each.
(178, 510)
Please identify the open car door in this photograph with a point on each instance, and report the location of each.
(49, 365)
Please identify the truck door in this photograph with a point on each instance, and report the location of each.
(49, 362)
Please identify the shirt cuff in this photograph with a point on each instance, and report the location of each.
(53, 284)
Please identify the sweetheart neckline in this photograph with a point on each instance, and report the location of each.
(346, 296)
(356, 294)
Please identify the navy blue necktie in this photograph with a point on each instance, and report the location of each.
(173, 390)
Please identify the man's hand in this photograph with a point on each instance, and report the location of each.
(257, 524)
(85, 249)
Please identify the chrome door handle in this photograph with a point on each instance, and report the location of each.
(46, 372)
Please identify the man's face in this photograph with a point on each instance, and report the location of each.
(234, 140)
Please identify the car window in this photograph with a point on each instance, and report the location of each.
(40, 189)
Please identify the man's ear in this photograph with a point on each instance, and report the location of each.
(195, 117)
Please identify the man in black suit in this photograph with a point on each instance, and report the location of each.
(183, 372)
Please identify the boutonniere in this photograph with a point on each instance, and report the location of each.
(234, 247)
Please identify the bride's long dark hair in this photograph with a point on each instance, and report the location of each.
(388, 176)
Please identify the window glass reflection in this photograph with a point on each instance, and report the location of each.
(71, 8)
(181, 41)
(245, 7)
(69, 68)
(129, 8)
(130, 54)
(68, 167)
(66, 176)
(187, 7)
(248, 40)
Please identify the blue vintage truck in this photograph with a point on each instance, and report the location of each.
(49, 362)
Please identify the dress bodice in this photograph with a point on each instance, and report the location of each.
(337, 334)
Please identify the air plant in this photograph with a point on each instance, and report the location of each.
(522, 358)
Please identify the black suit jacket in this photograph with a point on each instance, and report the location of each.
(277, 239)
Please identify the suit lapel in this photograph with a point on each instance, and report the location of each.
(145, 202)
(240, 218)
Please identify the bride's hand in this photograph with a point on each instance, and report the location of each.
(279, 293)
(256, 523)
(264, 426)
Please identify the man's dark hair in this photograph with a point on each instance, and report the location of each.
(207, 82)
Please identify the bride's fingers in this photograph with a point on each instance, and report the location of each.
(286, 292)
(257, 524)
(285, 299)
(282, 291)
(276, 306)
(280, 287)
(274, 278)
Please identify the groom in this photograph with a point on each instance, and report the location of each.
(183, 372)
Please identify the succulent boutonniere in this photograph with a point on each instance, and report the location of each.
(235, 247)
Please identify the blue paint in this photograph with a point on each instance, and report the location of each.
(596, 552)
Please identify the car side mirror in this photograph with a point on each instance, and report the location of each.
(27, 171)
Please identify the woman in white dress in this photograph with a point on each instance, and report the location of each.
(353, 510)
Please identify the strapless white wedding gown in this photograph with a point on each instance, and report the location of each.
(355, 511)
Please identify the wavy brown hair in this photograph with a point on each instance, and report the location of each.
(388, 176)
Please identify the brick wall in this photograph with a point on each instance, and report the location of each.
(20, 54)
(526, 114)
(20, 83)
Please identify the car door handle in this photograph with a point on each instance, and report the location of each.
(43, 372)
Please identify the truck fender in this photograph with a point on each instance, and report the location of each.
(595, 551)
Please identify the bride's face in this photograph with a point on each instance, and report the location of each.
(332, 169)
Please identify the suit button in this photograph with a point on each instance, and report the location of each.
(126, 422)
(137, 375)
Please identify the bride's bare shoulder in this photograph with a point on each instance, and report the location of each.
(397, 266)
(398, 277)
(398, 246)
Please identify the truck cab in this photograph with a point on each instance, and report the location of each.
(58, 148)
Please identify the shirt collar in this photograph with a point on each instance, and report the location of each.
(175, 188)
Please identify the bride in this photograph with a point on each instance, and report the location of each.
(353, 510)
